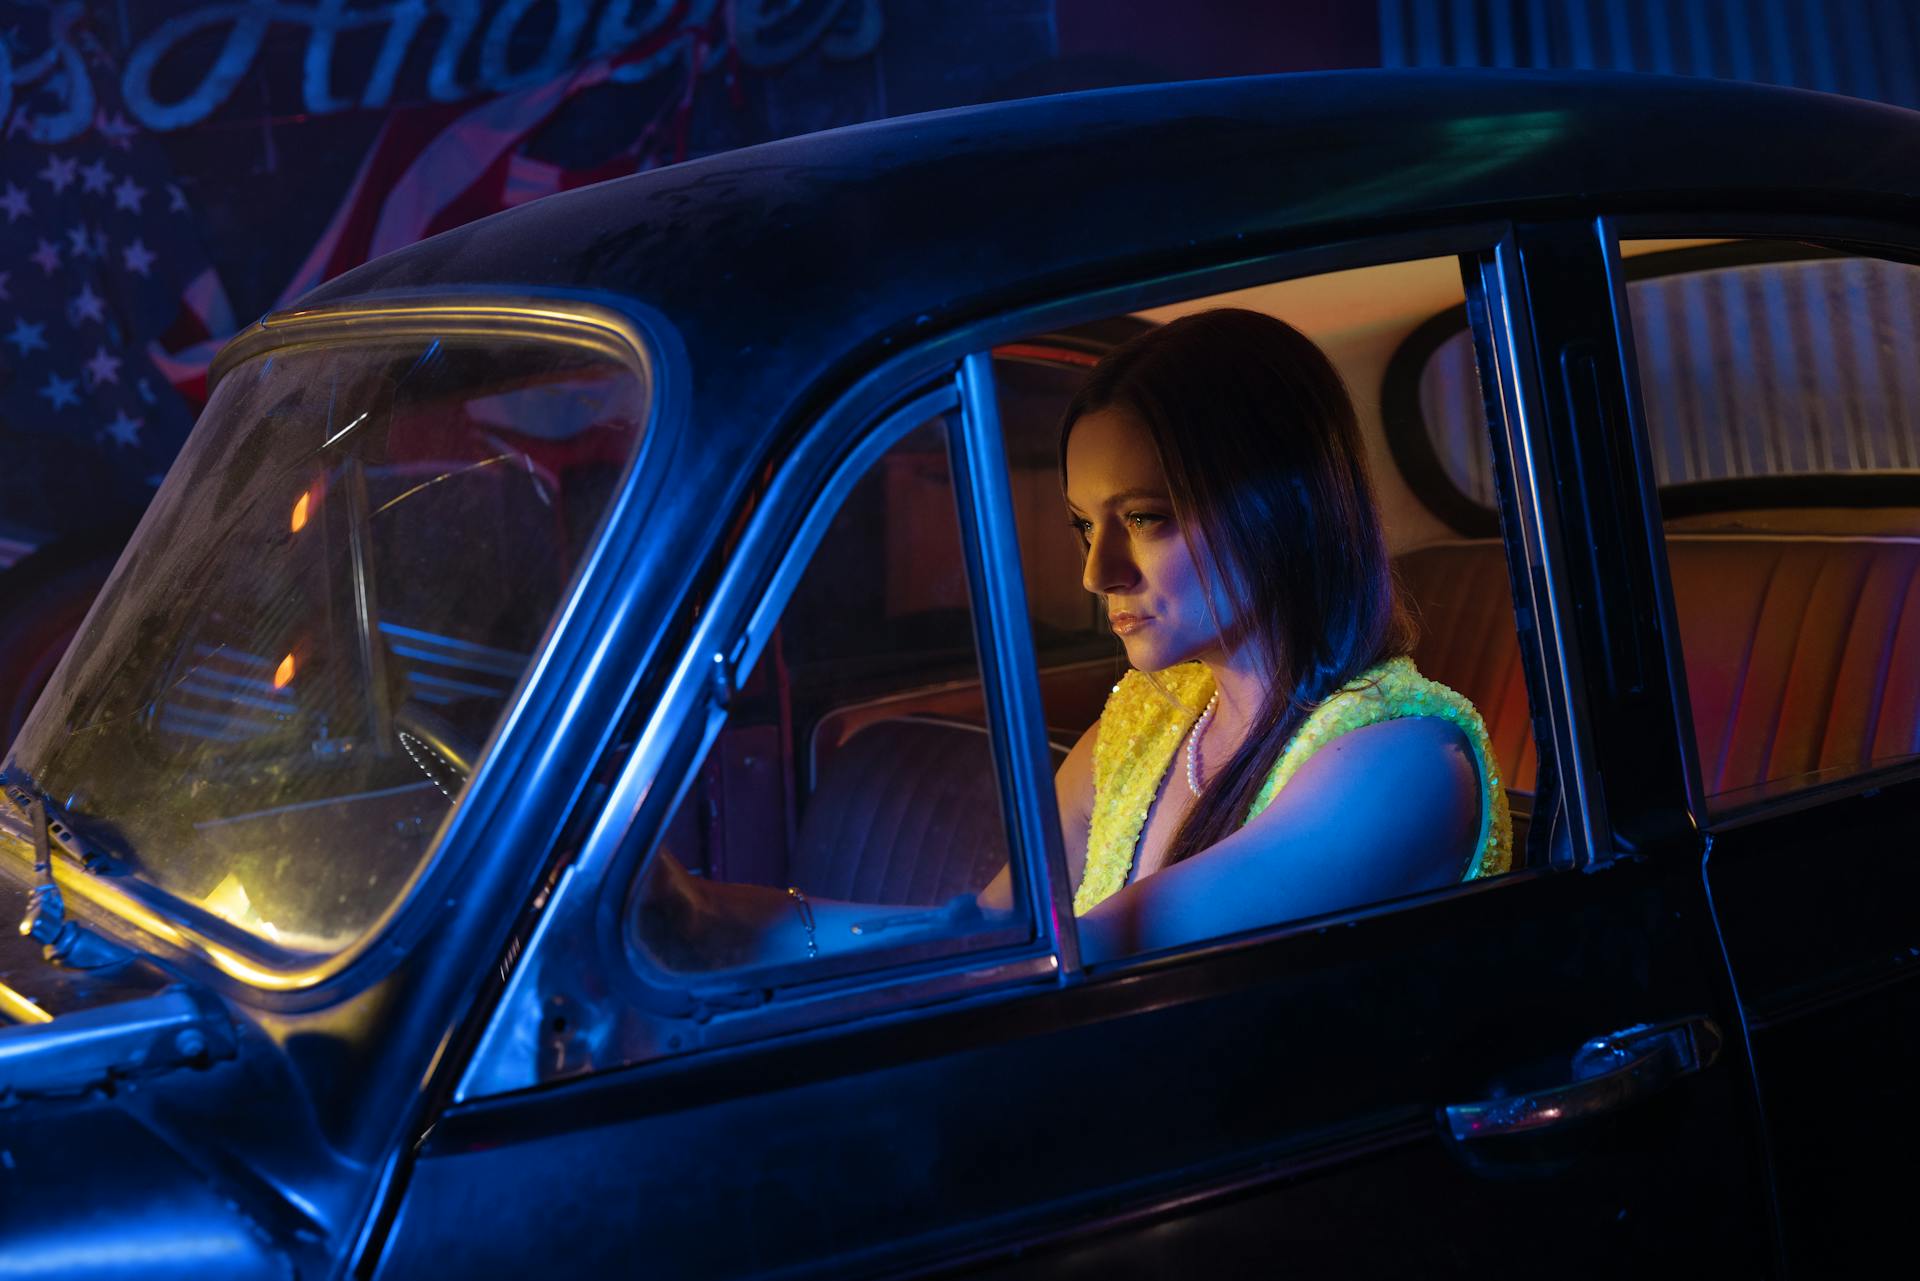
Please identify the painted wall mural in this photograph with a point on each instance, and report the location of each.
(172, 169)
(373, 56)
(170, 172)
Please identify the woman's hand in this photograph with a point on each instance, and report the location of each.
(690, 924)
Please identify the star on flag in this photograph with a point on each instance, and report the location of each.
(28, 337)
(59, 170)
(137, 257)
(128, 195)
(86, 305)
(60, 391)
(87, 242)
(16, 204)
(125, 429)
(104, 367)
(48, 256)
(95, 177)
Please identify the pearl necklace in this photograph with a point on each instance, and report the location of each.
(1193, 744)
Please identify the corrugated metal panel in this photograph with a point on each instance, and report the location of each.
(1754, 371)
(1865, 48)
(1771, 369)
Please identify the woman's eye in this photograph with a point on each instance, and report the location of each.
(1082, 528)
(1144, 520)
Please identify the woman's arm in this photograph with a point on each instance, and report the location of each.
(1073, 792)
(1386, 810)
(692, 924)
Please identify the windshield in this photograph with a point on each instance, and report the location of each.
(273, 708)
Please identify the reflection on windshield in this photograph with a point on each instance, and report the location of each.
(274, 707)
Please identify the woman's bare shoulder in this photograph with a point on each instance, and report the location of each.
(1404, 793)
(1427, 753)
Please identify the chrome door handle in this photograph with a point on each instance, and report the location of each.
(1609, 1072)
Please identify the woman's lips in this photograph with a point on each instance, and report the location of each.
(1125, 623)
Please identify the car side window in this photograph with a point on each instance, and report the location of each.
(848, 810)
(1451, 583)
(1781, 385)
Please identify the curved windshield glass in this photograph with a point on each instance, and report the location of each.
(274, 706)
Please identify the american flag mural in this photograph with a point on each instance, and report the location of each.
(106, 294)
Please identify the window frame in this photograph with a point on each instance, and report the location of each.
(970, 458)
(757, 577)
(1410, 439)
(1829, 234)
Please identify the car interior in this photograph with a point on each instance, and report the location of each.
(855, 763)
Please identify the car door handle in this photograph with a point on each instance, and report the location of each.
(1609, 1072)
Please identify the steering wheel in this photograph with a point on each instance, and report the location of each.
(442, 753)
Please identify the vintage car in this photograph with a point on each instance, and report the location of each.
(715, 511)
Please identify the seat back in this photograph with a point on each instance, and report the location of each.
(907, 810)
(1468, 640)
(1802, 650)
(1803, 653)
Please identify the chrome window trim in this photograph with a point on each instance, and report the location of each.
(1506, 301)
(825, 505)
(1640, 434)
(1010, 671)
(229, 955)
(1898, 772)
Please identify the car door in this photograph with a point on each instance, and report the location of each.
(1545, 1072)
(1776, 379)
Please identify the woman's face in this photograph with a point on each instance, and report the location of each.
(1138, 560)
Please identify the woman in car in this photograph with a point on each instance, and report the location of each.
(1273, 754)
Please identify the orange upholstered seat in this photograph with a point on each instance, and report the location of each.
(1802, 650)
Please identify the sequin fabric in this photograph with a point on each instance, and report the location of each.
(1140, 731)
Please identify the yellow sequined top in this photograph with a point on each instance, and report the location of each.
(1140, 733)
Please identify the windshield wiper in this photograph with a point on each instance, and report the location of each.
(20, 791)
(100, 1047)
(63, 942)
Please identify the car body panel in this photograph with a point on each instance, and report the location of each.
(1084, 1117)
(1817, 910)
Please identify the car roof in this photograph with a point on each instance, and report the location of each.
(787, 267)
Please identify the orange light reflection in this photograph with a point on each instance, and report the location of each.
(300, 512)
(283, 673)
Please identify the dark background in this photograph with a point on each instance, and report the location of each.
(174, 168)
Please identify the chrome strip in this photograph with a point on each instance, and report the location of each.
(21, 1008)
(1653, 529)
(1517, 369)
(525, 317)
(824, 507)
(1008, 667)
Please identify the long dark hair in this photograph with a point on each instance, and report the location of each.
(1263, 458)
